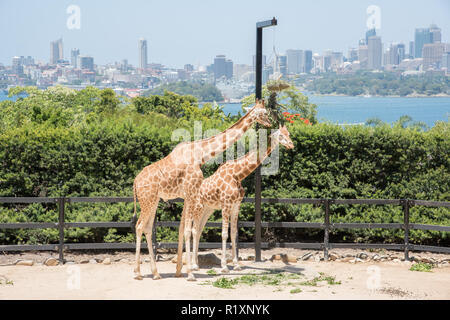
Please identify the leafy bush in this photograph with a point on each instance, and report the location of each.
(93, 143)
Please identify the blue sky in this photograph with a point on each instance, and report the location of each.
(194, 31)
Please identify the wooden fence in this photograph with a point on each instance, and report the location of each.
(326, 225)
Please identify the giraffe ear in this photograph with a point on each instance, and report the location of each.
(257, 100)
(247, 109)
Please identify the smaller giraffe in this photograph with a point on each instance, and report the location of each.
(223, 190)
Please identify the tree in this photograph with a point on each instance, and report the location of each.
(292, 99)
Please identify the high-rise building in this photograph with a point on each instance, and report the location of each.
(142, 53)
(229, 68)
(188, 67)
(56, 51)
(363, 56)
(17, 65)
(435, 34)
(327, 60)
(445, 63)
(337, 58)
(222, 67)
(85, 63)
(370, 33)
(283, 65)
(422, 36)
(74, 53)
(28, 61)
(432, 55)
(352, 54)
(411, 50)
(294, 61)
(375, 53)
(395, 54)
(307, 61)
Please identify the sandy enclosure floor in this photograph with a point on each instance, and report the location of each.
(77, 280)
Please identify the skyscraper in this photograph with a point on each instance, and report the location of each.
(337, 58)
(142, 53)
(17, 65)
(294, 61)
(56, 51)
(411, 50)
(74, 53)
(363, 56)
(85, 63)
(370, 33)
(283, 65)
(307, 61)
(222, 67)
(445, 63)
(435, 34)
(352, 54)
(422, 36)
(375, 53)
(432, 55)
(395, 54)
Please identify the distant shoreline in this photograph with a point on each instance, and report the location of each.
(414, 95)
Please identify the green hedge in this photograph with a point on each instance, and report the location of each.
(102, 154)
(328, 161)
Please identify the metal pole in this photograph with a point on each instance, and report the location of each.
(326, 238)
(258, 95)
(61, 205)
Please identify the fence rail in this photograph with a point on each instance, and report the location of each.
(327, 226)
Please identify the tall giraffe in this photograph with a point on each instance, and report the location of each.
(223, 190)
(178, 175)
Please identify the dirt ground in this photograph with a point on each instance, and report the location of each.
(85, 276)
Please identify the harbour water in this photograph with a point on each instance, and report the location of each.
(356, 110)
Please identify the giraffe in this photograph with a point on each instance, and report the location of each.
(223, 190)
(178, 175)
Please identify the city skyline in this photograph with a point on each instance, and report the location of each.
(115, 45)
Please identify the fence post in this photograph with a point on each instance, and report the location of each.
(406, 205)
(326, 229)
(61, 205)
(258, 214)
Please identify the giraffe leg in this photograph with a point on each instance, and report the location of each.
(233, 232)
(137, 269)
(148, 212)
(225, 223)
(187, 239)
(180, 241)
(196, 232)
(205, 215)
(148, 235)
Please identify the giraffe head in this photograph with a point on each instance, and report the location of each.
(260, 114)
(282, 136)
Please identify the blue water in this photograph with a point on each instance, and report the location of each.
(352, 110)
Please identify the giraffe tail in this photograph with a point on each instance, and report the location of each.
(134, 218)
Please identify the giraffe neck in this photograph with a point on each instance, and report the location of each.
(248, 163)
(217, 144)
